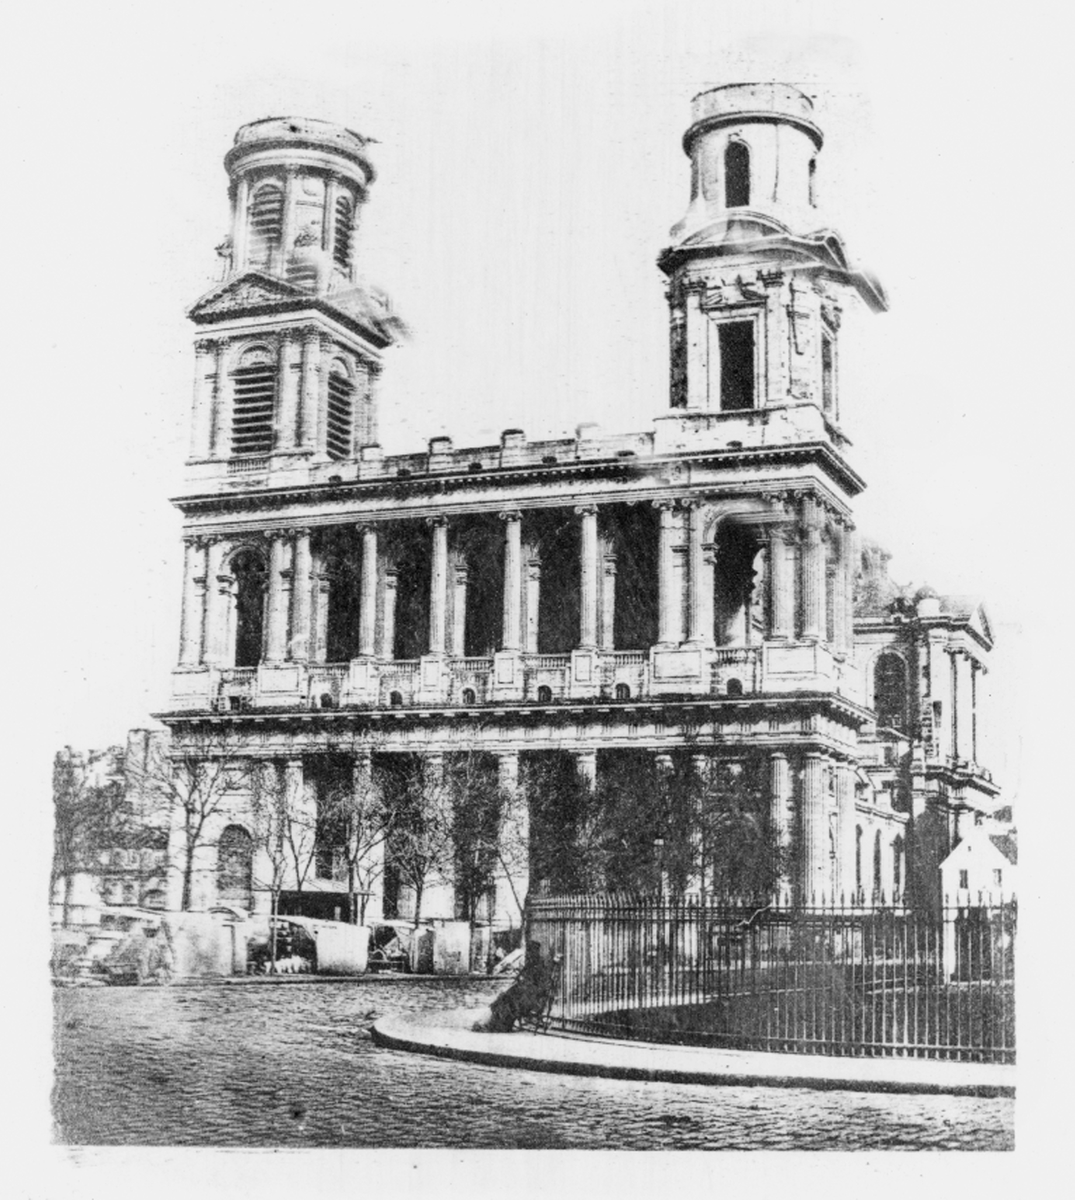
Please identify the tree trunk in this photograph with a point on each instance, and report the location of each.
(188, 876)
(68, 888)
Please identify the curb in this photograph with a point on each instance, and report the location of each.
(714, 1067)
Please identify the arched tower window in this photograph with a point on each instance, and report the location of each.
(858, 862)
(249, 574)
(890, 691)
(235, 866)
(897, 867)
(341, 243)
(341, 412)
(877, 881)
(266, 222)
(736, 175)
(811, 183)
(254, 399)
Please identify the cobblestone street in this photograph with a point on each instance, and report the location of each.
(293, 1065)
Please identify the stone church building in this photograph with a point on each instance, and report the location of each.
(698, 587)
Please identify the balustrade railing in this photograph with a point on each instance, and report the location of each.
(826, 979)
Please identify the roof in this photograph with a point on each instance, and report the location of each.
(1005, 843)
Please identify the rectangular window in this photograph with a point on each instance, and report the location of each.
(997, 878)
(964, 880)
(736, 365)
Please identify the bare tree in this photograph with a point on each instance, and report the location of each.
(89, 811)
(422, 843)
(354, 824)
(191, 777)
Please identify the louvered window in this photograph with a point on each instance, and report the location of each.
(252, 410)
(340, 415)
(341, 246)
(266, 223)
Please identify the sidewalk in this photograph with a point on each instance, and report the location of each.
(448, 1035)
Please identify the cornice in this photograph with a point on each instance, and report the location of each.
(443, 484)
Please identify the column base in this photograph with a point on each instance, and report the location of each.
(279, 685)
(585, 674)
(676, 669)
(194, 688)
(363, 683)
(432, 679)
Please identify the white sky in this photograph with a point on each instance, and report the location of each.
(530, 168)
(527, 179)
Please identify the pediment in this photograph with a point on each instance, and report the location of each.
(249, 291)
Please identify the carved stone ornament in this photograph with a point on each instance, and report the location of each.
(510, 514)
(244, 293)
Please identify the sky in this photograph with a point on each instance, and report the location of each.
(530, 167)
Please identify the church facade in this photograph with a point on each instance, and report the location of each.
(694, 589)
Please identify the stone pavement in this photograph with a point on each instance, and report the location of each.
(450, 1035)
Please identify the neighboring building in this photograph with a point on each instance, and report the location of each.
(621, 599)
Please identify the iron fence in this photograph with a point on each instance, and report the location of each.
(847, 979)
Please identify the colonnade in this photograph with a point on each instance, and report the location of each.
(806, 563)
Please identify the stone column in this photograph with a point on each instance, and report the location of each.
(388, 624)
(813, 574)
(370, 863)
(841, 593)
(697, 347)
(700, 579)
(276, 605)
(533, 601)
(606, 633)
(321, 439)
(206, 352)
(515, 832)
(815, 837)
(287, 234)
(192, 618)
(287, 411)
(310, 392)
(780, 806)
(301, 596)
(845, 823)
(588, 577)
(459, 579)
(216, 603)
(438, 596)
(964, 705)
(668, 604)
(240, 225)
(367, 626)
(512, 579)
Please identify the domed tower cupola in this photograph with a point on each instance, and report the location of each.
(753, 149)
(297, 186)
(756, 279)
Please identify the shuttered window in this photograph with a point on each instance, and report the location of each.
(252, 409)
(266, 222)
(340, 434)
(341, 246)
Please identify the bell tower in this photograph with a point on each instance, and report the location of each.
(290, 342)
(756, 281)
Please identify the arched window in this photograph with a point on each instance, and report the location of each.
(897, 868)
(266, 222)
(341, 244)
(340, 435)
(253, 403)
(736, 175)
(623, 692)
(469, 696)
(544, 694)
(890, 691)
(734, 687)
(877, 881)
(235, 866)
(396, 699)
(811, 184)
(154, 899)
(249, 574)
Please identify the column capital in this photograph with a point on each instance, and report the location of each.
(665, 504)
(367, 526)
(437, 522)
(206, 345)
(295, 531)
(510, 514)
(586, 510)
(272, 535)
